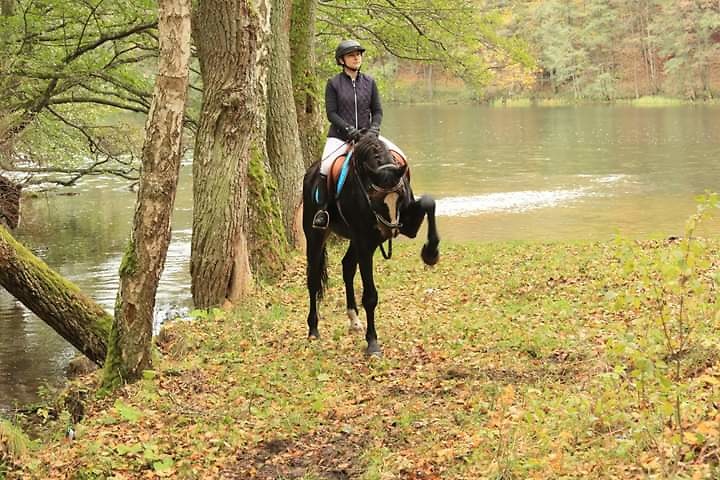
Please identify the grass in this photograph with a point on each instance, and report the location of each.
(512, 360)
(14, 445)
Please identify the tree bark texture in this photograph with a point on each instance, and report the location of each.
(231, 38)
(129, 352)
(283, 142)
(7, 7)
(267, 242)
(9, 202)
(307, 93)
(57, 301)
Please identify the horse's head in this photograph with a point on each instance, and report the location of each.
(384, 180)
(378, 166)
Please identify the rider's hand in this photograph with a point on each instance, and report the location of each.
(374, 131)
(353, 133)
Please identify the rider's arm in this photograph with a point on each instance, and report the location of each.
(375, 107)
(331, 108)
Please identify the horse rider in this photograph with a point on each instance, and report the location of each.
(352, 105)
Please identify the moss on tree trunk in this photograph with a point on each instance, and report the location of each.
(307, 91)
(56, 300)
(231, 37)
(129, 349)
(283, 142)
(266, 240)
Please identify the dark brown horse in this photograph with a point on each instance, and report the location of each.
(373, 204)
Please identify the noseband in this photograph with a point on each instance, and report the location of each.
(376, 191)
(397, 187)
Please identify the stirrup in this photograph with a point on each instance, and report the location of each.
(321, 220)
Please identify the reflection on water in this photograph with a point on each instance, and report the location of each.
(498, 174)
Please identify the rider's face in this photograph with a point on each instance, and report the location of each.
(353, 60)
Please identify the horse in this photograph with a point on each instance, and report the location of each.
(372, 203)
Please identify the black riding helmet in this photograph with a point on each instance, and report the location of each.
(345, 47)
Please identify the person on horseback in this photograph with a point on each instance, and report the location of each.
(352, 105)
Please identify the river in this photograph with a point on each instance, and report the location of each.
(561, 173)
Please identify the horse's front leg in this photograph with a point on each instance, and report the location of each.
(429, 252)
(412, 217)
(369, 299)
(349, 264)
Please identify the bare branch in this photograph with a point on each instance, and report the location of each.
(85, 24)
(142, 28)
(98, 101)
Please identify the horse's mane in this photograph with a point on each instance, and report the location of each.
(369, 147)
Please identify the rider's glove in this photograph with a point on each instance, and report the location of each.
(374, 130)
(353, 133)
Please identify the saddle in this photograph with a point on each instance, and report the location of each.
(340, 166)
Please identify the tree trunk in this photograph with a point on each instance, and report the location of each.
(129, 351)
(308, 97)
(283, 143)
(7, 7)
(58, 302)
(267, 243)
(9, 202)
(231, 40)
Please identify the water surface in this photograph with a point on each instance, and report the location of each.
(498, 174)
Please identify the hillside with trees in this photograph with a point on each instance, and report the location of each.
(576, 50)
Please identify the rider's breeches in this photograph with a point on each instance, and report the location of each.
(334, 147)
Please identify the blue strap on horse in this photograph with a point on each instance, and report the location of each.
(343, 174)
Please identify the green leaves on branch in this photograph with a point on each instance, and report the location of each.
(67, 69)
(466, 38)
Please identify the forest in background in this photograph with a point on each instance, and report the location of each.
(576, 50)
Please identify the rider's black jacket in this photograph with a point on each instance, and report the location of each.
(352, 103)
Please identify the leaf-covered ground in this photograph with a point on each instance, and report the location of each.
(504, 361)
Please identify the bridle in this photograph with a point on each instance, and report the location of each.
(393, 229)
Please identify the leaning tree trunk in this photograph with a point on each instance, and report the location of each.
(129, 352)
(308, 105)
(283, 143)
(57, 301)
(230, 36)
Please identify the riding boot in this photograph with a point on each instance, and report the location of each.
(321, 220)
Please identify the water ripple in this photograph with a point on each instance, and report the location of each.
(508, 201)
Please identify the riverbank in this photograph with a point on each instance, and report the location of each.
(507, 360)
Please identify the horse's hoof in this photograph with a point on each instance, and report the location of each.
(355, 325)
(374, 351)
(429, 257)
(314, 335)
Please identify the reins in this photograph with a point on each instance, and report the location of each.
(393, 227)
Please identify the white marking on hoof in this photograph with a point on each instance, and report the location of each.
(355, 325)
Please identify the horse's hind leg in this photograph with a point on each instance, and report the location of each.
(349, 264)
(316, 270)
